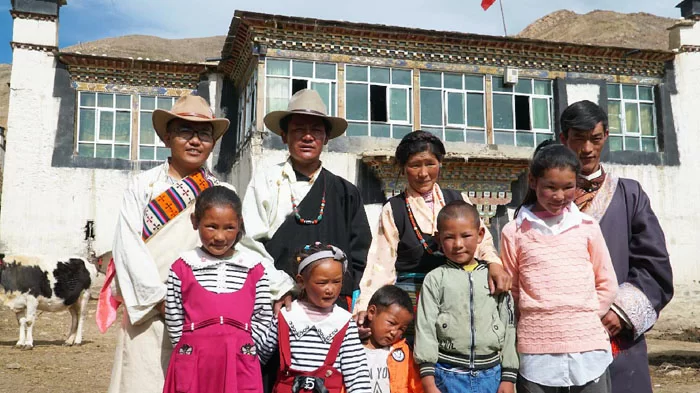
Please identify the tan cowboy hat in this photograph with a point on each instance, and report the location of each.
(306, 102)
(190, 108)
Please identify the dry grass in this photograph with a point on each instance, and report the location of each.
(605, 28)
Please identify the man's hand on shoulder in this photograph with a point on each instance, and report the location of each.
(499, 279)
(285, 300)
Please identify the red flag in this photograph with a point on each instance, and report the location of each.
(485, 4)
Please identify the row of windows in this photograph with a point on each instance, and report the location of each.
(106, 126)
(379, 102)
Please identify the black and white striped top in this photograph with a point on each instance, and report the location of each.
(309, 351)
(218, 276)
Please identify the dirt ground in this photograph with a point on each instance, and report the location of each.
(51, 367)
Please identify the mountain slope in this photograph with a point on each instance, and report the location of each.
(606, 28)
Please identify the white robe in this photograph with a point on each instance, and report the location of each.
(267, 204)
(143, 347)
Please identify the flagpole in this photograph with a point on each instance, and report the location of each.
(503, 17)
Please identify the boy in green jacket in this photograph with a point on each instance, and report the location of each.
(465, 337)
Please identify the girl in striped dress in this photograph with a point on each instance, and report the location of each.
(318, 341)
(218, 304)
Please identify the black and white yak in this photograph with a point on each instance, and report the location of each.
(31, 284)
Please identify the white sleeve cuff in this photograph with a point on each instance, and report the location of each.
(636, 307)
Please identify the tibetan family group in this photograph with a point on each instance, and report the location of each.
(290, 290)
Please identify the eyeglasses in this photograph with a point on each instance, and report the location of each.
(188, 133)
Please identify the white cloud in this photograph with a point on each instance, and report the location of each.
(182, 18)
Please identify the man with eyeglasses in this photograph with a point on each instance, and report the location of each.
(153, 228)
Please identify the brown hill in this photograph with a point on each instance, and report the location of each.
(4, 92)
(193, 50)
(607, 28)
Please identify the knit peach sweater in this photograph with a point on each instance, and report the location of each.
(563, 283)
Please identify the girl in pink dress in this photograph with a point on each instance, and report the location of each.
(218, 304)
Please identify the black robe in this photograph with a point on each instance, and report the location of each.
(344, 225)
(637, 247)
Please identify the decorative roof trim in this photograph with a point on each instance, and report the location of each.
(238, 51)
(33, 15)
(502, 160)
(465, 68)
(76, 58)
(130, 89)
(689, 49)
(36, 47)
(486, 180)
(263, 32)
(133, 72)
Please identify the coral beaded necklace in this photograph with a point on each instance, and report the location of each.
(415, 226)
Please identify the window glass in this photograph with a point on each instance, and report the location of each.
(277, 67)
(303, 68)
(353, 73)
(401, 77)
(356, 102)
(475, 110)
(430, 79)
(502, 111)
(325, 71)
(399, 104)
(431, 107)
(455, 109)
(379, 75)
(453, 81)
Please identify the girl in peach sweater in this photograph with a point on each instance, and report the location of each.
(563, 282)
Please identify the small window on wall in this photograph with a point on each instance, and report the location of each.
(104, 125)
(522, 114)
(632, 118)
(150, 146)
(378, 101)
(286, 77)
(452, 106)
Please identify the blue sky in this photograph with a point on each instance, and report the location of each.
(87, 20)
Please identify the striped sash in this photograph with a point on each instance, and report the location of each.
(174, 200)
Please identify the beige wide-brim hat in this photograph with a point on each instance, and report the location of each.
(190, 108)
(306, 102)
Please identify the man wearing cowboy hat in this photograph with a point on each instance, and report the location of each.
(299, 202)
(153, 228)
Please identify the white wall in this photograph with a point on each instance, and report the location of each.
(674, 195)
(38, 32)
(677, 193)
(45, 208)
